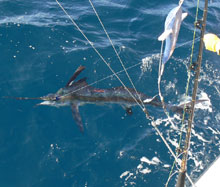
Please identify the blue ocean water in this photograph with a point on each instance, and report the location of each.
(40, 49)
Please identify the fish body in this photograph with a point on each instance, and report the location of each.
(171, 31)
(78, 93)
(81, 93)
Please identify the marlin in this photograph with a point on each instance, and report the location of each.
(171, 30)
(78, 93)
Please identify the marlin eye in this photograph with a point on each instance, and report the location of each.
(57, 98)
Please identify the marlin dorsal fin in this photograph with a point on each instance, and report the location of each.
(164, 35)
(81, 83)
(82, 80)
(76, 73)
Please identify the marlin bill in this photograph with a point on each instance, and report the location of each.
(77, 93)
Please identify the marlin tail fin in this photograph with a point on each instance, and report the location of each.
(179, 108)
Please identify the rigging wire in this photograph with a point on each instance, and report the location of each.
(119, 58)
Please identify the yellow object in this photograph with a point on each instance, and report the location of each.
(212, 43)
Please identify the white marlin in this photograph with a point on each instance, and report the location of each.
(171, 30)
(77, 93)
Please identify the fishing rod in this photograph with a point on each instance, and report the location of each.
(182, 172)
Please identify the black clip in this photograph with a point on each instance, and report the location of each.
(193, 66)
(198, 24)
(188, 109)
(179, 150)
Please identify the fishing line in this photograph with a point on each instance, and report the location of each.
(182, 171)
(148, 117)
(188, 79)
(217, 89)
(169, 178)
(92, 45)
(165, 142)
(181, 176)
(160, 72)
(189, 42)
(191, 61)
(144, 109)
(119, 58)
(190, 180)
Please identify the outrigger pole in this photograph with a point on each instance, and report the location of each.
(182, 172)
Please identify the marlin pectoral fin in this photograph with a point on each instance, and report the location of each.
(164, 35)
(184, 15)
(76, 73)
(77, 117)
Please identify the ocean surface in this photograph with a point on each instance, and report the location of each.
(40, 48)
